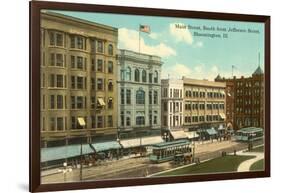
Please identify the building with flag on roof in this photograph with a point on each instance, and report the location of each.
(139, 99)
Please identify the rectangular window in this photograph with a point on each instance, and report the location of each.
(80, 42)
(59, 101)
(93, 120)
(122, 96)
(60, 81)
(79, 102)
(100, 46)
(100, 65)
(109, 121)
(60, 125)
(59, 41)
(52, 102)
(128, 96)
(73, 102)
(52, 59)
(150, 97)
(72, 61)
(155, 120)
(52, 38)
(72, 41)
(155, 97)
(80, 62)
(122, 118)
(73, 82)
(59, 60)
(52, 124)
(100, 122)
(110, 67)
(100, 84)
(150, 77)
(80, 82)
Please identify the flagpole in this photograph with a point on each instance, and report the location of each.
(139, 38)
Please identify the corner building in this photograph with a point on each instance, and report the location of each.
(78, 81)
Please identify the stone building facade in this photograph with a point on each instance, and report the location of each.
(204, 104)
(78, 80)
(172, 103)
(139, 94)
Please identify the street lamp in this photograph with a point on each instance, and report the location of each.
(82, 123)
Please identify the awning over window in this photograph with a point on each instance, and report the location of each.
(222, 92)
(222, 115)
(144, 141)
(104, 146)
(191, 134)
(180, 134)
(81, 121)
(63, 152)
(211, 131)
(101, 102)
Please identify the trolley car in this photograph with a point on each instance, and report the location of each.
(249, 134)
(168, 151)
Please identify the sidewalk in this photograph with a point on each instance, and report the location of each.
(245, 166)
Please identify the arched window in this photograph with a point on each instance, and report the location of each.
(143, 75)
(110, 49)
(128, 73)
(140, 97)
(137, 75)
(155, 77)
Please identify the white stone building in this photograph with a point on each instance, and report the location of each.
(139, 95)
(172, 103)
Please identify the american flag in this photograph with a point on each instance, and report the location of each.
(145, 28)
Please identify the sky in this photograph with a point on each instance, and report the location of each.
(182, 52)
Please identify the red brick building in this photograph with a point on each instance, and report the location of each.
(245, 100)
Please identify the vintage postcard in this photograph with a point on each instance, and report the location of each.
(131, 96)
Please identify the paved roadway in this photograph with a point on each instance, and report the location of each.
(140, 166)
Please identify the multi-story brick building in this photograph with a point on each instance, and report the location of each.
(78, 81)
(248, 100)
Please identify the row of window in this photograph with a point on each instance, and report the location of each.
(201, 118)
(140, 96)
(139, 75)
(174, 93)
(247, 110)
(79, 63)
(174, 107)
(77, 102)
(140, 120)
(202, 94)
(78, 42)
(77, 82)
(60, 123)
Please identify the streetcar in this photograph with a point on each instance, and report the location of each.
(173, 150)
(249, 134)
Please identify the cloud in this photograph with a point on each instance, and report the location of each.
(181, 35)
(129, 39)
(154, 36)
(176, 71)
(200, 71)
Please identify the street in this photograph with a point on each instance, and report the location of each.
(133, 167)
